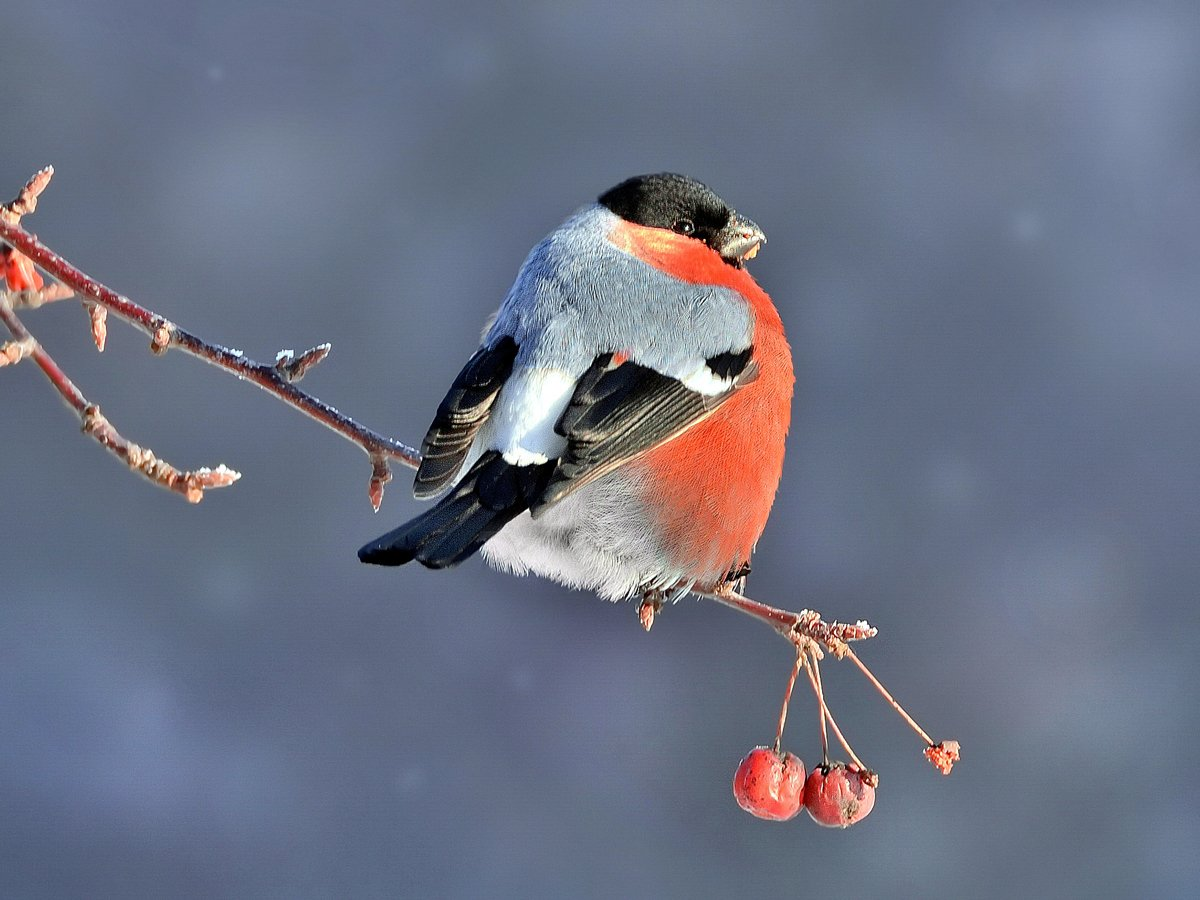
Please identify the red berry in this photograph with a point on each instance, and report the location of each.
(768, 785)
(840, 795)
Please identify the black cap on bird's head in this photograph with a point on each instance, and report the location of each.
(684, 205)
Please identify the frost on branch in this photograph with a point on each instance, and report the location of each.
(191, 485)
(26, 290)
(293, 367)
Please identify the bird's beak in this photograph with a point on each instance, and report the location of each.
(739, 240)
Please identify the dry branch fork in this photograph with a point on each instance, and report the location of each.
(278, 379)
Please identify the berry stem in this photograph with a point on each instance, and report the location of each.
(862, 667)
(814, 677)
(808, 632)
(787, 699)
(815, 680)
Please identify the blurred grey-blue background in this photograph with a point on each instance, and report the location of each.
(983, 221)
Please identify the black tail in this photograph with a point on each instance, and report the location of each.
(488, 497)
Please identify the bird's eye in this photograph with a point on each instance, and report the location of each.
(683, 226)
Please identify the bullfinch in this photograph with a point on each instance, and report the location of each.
(621, 426)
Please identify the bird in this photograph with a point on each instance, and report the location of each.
(621, 427)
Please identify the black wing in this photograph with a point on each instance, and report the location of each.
(618, 411)
(488, 497)
(461, 414)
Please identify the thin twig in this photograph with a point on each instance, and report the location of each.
(783, 621)
(274, 379)
(51, 293)
(143, 461)
(26, 201)
(912, 723)
(814, 678)
(798, 628)
(166, 335)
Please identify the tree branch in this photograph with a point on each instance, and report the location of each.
(191, 485)
(276, 379)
